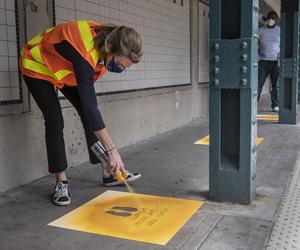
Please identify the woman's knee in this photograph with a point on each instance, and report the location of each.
(54, 122)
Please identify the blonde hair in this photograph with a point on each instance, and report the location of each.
(119, 40)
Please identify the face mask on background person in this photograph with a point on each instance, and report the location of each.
(271, 22)
(113, 66)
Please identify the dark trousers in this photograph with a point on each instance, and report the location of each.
(271, 68)
(46, 98)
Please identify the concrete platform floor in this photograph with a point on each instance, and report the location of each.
(171, 166)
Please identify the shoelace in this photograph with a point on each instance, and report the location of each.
(62, 189)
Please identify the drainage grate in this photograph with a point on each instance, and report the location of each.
(286, 231)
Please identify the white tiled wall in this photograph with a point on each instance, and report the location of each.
(9, 82)
(164, 26)
(203, 43)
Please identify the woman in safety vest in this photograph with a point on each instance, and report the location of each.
(72, 56)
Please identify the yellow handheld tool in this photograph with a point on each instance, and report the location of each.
(120, 176)
(101, 153)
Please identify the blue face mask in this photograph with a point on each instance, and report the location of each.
(113, 66)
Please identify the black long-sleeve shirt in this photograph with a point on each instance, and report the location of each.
(84, 74)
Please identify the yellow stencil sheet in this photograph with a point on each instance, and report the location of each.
(139, 217)
(205, 141)
(268, 118)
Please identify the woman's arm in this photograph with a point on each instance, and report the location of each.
(84, 76)
(105, 139)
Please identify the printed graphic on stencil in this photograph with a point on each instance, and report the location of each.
(121, 211)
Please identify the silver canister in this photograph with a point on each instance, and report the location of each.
(100, 152)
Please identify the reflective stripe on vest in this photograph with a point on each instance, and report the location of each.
(88, 40)
(37, 39)
(36, 54)
(38, 65)
(43, 69)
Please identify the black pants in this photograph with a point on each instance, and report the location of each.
(264, 69)
(46, 98)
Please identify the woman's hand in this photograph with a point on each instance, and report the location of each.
(115, 162)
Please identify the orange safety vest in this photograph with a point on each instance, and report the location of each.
(39, 59)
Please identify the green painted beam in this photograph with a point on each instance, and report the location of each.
(233, 99)
(289, 61)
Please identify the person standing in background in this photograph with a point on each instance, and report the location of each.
(269, 51)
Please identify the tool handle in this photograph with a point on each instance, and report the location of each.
(101, 153)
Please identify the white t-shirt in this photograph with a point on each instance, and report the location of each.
(269, 43)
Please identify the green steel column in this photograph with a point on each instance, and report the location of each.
(289, 61)
(233, 99)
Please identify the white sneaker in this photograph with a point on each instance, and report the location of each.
(61, 195)
(276, 109)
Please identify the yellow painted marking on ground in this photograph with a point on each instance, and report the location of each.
(259, 140)
(146, 218)
(268, 118)
(205, 141)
